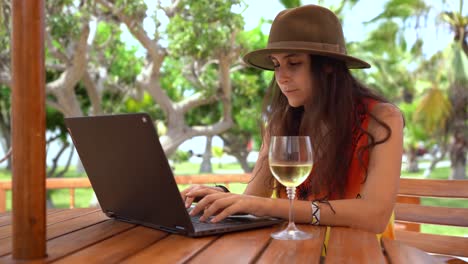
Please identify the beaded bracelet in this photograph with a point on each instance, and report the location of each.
(315, 213)
(226, 190)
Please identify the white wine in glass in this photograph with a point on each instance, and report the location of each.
(291, 161)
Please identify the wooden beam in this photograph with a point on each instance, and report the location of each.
(28, 129)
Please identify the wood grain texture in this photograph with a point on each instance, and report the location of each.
(68, 243)
(239, 247)
(60, 228)
(116, 248)
(348, 245)
(28, 129)
(434, 188)
(6, 230)
(447, 245)
(432, 214)
(169, 250)
(399, 253)
(303, 251)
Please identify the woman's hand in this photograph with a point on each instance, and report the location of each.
(221, 205)
(197, 191)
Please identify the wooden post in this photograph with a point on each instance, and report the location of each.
(28, 129)
(2, 200)
(72, 198)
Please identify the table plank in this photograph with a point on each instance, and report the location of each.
(75, 241)
(238, 247)
(6, 219)
(303, 251)
(348, 245)
(172, 249)
(61, 228)
(69, 214)
(116, 248)
(6, 231)
(398, 252)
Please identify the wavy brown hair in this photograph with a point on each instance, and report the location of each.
(331, 126)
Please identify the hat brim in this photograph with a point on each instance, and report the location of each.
(260, 58)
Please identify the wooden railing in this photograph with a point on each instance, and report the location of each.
(73, 183)
(409, 210)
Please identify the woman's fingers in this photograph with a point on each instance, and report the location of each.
(221, 205)
(196, 191)
(204, 203)
(183, 193)
(222, 209)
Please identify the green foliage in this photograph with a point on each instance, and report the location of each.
(63, 22)
(217, 152)
(459, 64)
(172, 80)
(253, 39)
(291, 3)
(402, 9)
(204, 115)
(180, 156)
(433, 110)
(134, 8)
(146, 104)
(202, 28)
(123, 63)
(5, 98)
(4, 32)
(414, 132)
(55, 123)
(386, 33)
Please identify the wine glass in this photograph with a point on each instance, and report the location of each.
(290, 159)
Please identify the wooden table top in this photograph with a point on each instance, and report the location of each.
(87, 235)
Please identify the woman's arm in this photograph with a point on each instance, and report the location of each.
(378, 193)
(371, 212)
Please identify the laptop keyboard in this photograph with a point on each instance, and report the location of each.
(224, 223)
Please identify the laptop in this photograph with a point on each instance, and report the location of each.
(132, 179)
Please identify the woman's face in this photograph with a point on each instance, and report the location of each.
(293, 75)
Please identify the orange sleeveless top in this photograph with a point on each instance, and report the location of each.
(357, 170)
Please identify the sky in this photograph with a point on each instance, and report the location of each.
(353, 27)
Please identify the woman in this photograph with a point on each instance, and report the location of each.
(356, 135)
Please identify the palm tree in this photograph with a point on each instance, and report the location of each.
(450, 113)
(442, 109)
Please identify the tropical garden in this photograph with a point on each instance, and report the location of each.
(186, 72)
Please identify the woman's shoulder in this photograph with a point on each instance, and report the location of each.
(383, 110)
(379, 109)
(387, 113)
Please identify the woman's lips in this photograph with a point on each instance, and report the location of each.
(290, 91)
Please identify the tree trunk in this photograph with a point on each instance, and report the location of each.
(206, 163)
(413, 165)
(458, 157)
(242, 159)
(236, 144)
(435, 159)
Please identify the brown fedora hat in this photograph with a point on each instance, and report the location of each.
(308, 29)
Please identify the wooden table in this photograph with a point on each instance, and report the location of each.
(88, 236)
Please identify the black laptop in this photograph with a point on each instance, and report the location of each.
(132, 179)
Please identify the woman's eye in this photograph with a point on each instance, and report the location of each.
(276, 66)
(294, 63)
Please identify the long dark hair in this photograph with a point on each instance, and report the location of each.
(338, 103)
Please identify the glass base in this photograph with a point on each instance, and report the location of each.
(291, 234)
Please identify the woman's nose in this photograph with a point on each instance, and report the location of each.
(282, 76)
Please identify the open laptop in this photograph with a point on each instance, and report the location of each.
(132, 179)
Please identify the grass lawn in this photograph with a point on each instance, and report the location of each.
(83, 197)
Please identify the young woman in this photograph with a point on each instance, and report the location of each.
(356, 135)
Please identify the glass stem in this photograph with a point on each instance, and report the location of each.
(291, 195)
